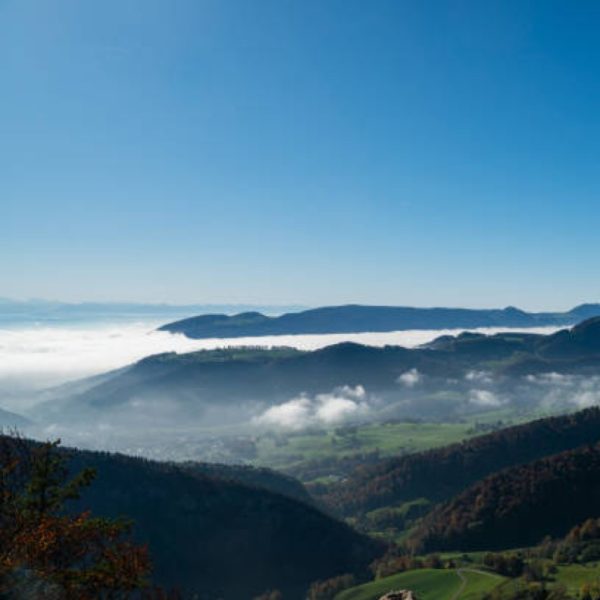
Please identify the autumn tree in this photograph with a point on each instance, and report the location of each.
(80, 556)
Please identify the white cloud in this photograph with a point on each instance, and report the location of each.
(586, 399)
(484, 398)
(294, 414)
(562, 390)
(410, 378)
(336, 409)
(479, 376)
(551, 378)
(340, 405)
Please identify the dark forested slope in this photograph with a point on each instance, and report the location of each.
(211, 534)
(441, 473)
(252, 476)
(518, 506)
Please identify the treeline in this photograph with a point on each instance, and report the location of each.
(532, 572)
(47, 549)
(441, 473)
(260, 477)
(216, 537)
(516, 507)
(580, 545)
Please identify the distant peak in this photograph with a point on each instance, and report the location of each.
(513, 310)
(586, 308)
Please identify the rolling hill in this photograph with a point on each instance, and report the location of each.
(213, 535)
(10, 420)
(357, 318)
(518, 506)
(234, 385)
(428, 584)
(441, 473)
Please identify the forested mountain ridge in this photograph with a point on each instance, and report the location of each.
(441, 473)
(258, 477)
(215, 536)
(357, 318)
(518, 506)
(230, 385)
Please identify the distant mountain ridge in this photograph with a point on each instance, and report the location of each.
(354, 318)
(10, 420)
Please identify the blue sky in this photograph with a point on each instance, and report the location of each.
(313, 152)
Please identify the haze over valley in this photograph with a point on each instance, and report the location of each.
(105, 385)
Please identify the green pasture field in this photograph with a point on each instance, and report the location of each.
(574, 576)
(429, 584)
(393, 438)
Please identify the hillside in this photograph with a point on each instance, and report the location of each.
(441, 473)
(252, 476)
(234, 385)
(428, 584)
(518, 506)
(357, 318)
(9, 420)
(210, 534)
(229, 379)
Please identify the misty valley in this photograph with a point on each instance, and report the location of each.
(409, 460)
(279, 405)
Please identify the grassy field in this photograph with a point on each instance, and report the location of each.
(388, 438)
(478, 584)
(428, 584)
(465, 583)
(573, 576)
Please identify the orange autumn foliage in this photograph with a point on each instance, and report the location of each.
(81, 556)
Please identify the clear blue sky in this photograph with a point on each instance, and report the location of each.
(306, 151)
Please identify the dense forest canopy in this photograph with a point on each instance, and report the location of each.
(441, 473)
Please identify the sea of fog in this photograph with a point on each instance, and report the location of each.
(34, 357)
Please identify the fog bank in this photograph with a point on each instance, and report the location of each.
(36, 357)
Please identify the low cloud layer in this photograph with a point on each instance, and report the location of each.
(339, 406)
(557, 389)
(33, 358)
(41, 356)
(54, 354)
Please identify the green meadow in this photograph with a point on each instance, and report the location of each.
(429, 584)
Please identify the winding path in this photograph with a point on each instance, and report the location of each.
(464, 581)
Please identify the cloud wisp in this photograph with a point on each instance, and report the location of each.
(341, 405)
(410, 378)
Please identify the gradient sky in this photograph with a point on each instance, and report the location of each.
(306, 151)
